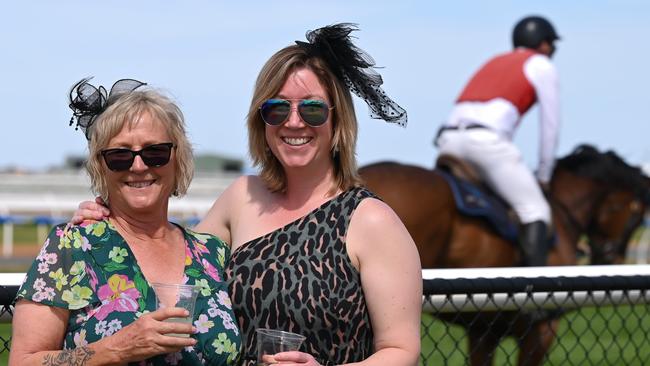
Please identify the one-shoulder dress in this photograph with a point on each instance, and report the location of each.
(299, 278)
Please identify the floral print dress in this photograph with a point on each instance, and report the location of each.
(90, 270)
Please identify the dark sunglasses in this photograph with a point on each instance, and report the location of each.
(121, 159)
(313, 112)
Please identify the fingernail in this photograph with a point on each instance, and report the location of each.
(194, 330)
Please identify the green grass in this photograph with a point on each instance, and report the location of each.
(593, 336)
(5, 333)
(26, 234)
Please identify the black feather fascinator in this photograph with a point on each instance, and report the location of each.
(355, 68)
(87, 101)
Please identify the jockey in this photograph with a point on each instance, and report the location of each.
(481, 126)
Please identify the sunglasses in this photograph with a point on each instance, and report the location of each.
(313, 112)
(121, 159)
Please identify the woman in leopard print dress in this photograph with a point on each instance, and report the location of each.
(313, 252)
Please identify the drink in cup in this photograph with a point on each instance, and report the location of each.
(179, 296)
(271, 341)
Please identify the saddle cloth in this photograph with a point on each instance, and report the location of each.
(471, 200)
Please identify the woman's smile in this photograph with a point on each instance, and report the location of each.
(140, 183)
(297, 141)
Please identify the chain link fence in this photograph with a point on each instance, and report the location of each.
(602, 320)
(7, 294)
(580, 320)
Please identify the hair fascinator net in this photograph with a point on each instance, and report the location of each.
(87, 101)
(355, 68)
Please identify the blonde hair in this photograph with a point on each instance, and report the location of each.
(344, 121)
(126, 109)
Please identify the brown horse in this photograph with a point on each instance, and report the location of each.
(591, 193)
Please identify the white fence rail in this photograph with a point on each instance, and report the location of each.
(52, 198)
(444, 303)
(491, 301)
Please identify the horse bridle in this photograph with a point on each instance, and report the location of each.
(571, 222)
(578, 228)
(618, 246)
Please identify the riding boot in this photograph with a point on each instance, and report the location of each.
(533, 240)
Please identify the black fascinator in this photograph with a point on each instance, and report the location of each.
(91, 101)
(355, 68)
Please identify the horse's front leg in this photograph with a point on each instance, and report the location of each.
(534, 345)
(482, 346)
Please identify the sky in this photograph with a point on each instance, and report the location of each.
(206, 55)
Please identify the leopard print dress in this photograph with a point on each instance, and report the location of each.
(299, 278)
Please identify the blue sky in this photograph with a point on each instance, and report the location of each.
(207, 55)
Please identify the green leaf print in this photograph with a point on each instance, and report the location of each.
(205, 287)
(221, 256)
(60, 278)
(223, 345)
(96, 229)
(78, 271)
(142, 286)
(193, 272)
(112, 267)
(77, 297)
(118, 254)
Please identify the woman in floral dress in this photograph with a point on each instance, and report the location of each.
(313, 251)
(87, 299)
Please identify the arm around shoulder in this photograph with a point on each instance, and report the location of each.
(391, 277)
(218, 220)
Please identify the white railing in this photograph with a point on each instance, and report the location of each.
(56, 196)
(437, 303)
(442, 303)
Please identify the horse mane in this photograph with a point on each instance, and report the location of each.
(604, 167)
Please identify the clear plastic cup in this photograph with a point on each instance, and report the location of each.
(176, 295)
(271, 341)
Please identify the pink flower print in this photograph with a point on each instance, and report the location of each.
(228, 322)
(224, 299)
(203, 324)
(60, 233)
(39, 284)
(38, 296)
(214, 308)
(42, 252)
(93, 277)
(119, 294)
(49, 293)
(50, 258)
(112, 327)
(44, 294)
(100, 328)
(80, 339)
(85, 244)
(199, 247)
(43, 267)
(210, 270)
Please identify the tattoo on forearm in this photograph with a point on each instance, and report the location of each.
(74, 357)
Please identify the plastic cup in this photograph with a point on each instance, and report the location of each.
(271, 341)
(179, 296)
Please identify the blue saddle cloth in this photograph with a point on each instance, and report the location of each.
(476, 202)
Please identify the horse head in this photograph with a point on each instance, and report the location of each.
(617, 206)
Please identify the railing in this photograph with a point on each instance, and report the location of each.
(46, 199)
(9, 284)
(589, 314)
